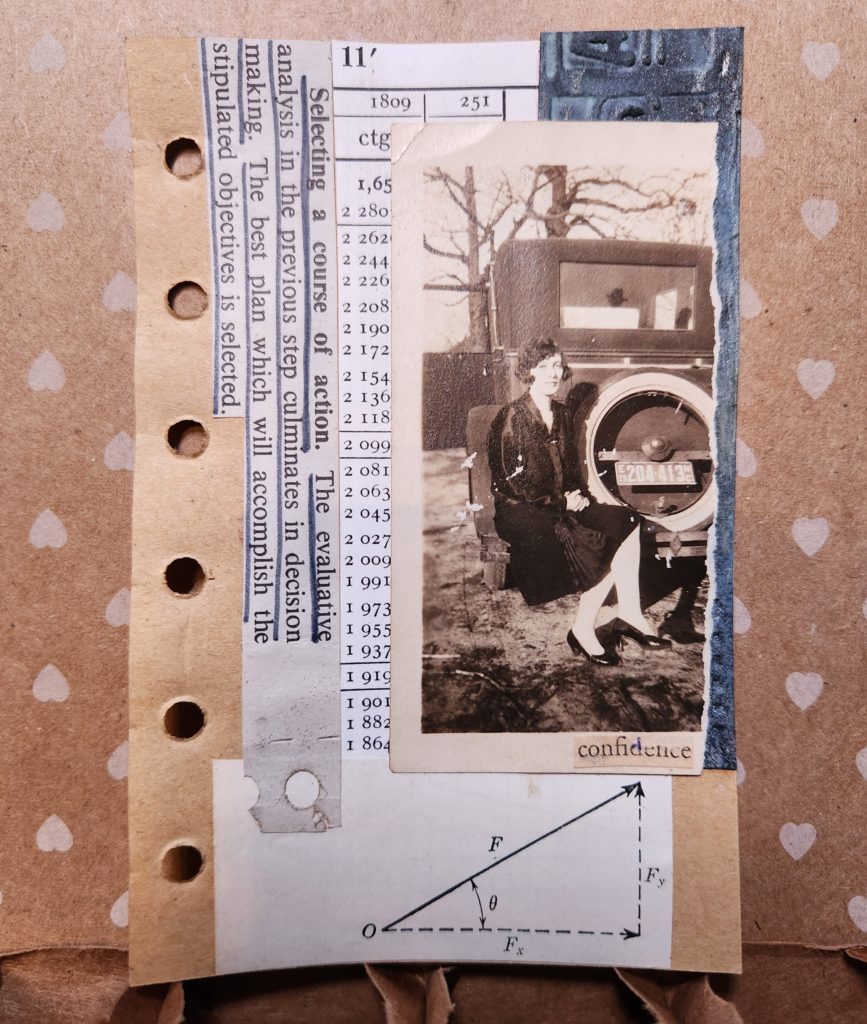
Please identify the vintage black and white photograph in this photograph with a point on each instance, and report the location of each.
(566, 452)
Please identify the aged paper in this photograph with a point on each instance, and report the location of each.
(455, 866)
(601, 250)
(268, 118)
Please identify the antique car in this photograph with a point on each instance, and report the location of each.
(635, 321)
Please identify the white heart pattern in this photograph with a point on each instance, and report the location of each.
(858, 912)
(742, 620)
(751, 301)
(45, 214)
(117, 609)
(810, 534)
(804, 688)
(45, 374)
(120, 910)
(861, 761)
(740, 772)
(820, 216)
(821, 59)
(47, 55)
(745, 459)
(54, 836)
(51, 685)
(120, 452)
(816, 376)
(118, 135)
(47, 531)
(797, 839)
(119, 294)
(752, 140)
(118, 762)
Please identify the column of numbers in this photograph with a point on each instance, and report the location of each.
(364, 191)
(363, 118)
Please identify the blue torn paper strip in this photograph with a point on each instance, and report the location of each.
(678, 75)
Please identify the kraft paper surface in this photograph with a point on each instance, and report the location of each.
(68, 301)
(180, 648)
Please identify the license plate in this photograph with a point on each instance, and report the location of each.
(655, 474)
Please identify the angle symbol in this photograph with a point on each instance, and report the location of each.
(479, 898)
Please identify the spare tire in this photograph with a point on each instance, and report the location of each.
(646, 443)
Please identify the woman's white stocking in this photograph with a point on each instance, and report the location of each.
(585, 618)
(624, 569)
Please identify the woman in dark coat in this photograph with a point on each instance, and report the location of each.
(561, 540)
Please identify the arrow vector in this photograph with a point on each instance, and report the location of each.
(637, 790)
(634, 788)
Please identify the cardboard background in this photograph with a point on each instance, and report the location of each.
(62, 80)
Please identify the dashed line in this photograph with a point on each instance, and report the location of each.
(640, 809)
(524, 931)
(606, 933)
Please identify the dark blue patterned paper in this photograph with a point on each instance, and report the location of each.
(677, 75)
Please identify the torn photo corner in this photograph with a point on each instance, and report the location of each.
(554, 478)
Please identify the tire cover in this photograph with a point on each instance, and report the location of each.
(701, 512)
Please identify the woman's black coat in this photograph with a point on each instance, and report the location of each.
(552, 551)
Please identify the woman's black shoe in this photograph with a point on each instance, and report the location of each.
(647, 640)
(606, 658)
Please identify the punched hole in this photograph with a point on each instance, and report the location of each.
(188, 438)
(184, 576)
(184, 720)
(187, 300)
(181, 863)
(184, 158)
(302, 789)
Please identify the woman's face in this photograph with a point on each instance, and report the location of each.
(547, 375)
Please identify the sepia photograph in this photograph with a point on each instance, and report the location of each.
(564, 385)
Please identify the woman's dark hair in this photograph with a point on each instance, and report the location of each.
(536, 351)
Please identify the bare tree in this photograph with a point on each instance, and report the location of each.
(554, 202)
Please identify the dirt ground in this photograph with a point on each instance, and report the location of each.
(493, 664)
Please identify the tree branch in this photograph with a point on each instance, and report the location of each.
(454, 288)
(461, 257)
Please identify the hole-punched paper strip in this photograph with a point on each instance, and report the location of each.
(451, 867)
(268, 118)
